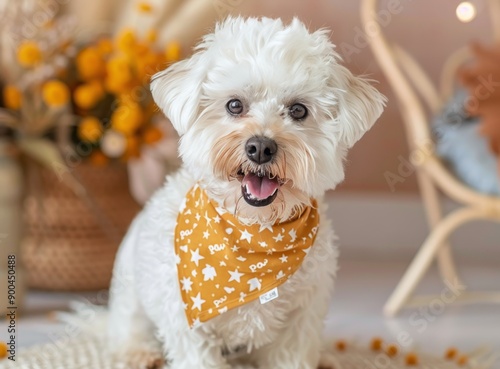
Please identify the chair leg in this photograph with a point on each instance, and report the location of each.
(426, 255)
(433, 208)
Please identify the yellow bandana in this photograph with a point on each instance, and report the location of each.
(223, 264)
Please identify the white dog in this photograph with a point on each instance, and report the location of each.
(266, 115)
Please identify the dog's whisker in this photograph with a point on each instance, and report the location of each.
(284, 166)
(236, 206)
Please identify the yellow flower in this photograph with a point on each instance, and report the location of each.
(141, 49)
(12, 97)
(116, 86)
(29, 54)
(147, 65)
(105, 46)
(126, 41)
(120, 77)
(152, 135)
(127, 118)
(173, 52)
(86, 96)
(90, 129)
(90, 64)
(151, 35)
(133, 148)
(98, 159)
(120, 69)
(144, 7)
(3, 350)
(55, 93)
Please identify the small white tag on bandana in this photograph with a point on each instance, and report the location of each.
(269, 296)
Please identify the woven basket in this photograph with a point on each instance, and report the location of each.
(66, 247)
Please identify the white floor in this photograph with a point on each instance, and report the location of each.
(362, 289)
(355, 314)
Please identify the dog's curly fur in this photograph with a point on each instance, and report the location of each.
(268, 66)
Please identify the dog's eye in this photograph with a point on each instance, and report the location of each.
(297, 112)
(234, 107)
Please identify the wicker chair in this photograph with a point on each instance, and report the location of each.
(414, 90)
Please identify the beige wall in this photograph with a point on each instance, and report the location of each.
(428, 29)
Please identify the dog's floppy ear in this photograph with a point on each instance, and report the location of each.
(359, 106)
(177, 91)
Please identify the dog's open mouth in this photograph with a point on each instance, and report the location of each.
(259, 188)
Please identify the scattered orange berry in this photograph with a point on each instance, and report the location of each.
(90, 129)
(462, 360)
(376, 344)
(144, 7)
(29, 54)
(55, 93)
(173, 52)
(341, 345)
(391, 350)
(97, 158)
(3, 350)
(451, 353)
(411, 359)
(12, 97)
(152, 135)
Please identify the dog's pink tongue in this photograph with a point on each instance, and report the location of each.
(260, 187)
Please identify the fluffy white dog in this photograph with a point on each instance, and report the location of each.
(266, 115)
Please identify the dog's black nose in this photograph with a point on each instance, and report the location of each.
(261, 149)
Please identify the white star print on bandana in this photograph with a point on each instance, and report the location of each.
(223, 264)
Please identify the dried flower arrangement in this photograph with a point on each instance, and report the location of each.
(63, 100)
(67, 100)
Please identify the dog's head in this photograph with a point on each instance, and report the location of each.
(266, 114)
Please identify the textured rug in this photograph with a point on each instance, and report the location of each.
(85, 347)
(89, 352)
